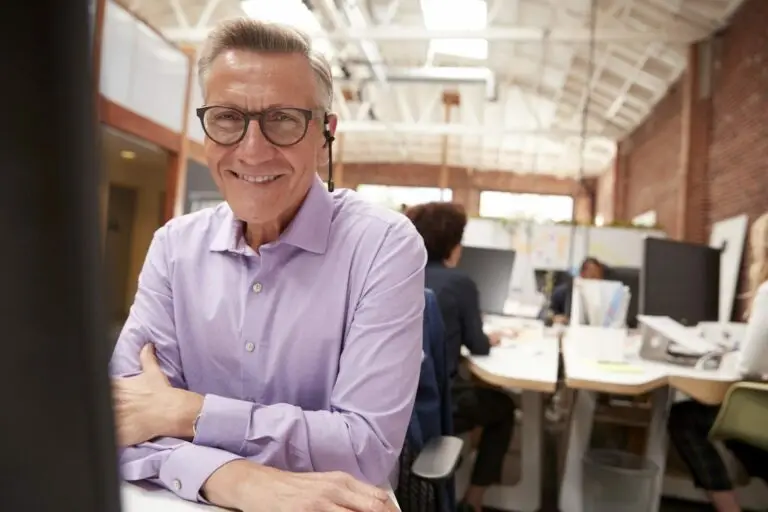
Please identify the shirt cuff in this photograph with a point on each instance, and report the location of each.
(188, 467)
(223, 423)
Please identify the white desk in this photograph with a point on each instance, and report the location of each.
(586, 352)
(149, 498)
(528, 363)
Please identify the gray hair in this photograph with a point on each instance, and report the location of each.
(257, 36)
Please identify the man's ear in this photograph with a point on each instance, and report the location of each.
(330, 122)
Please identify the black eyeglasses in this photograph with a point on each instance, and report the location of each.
(282, 126)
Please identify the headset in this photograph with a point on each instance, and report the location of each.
(329, 138)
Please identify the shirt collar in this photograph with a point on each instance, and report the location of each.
(310, 229)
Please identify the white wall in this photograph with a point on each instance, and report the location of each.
(141, 71)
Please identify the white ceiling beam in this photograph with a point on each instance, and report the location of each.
(181, 18)
(205, 16)
(341, 102)
(360, 126)
(395, 33)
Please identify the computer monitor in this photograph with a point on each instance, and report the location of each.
(631, 279)
(491, 270)
(680, 280)
(57, 449)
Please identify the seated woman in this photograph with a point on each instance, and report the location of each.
(690, 421)
(442, 227)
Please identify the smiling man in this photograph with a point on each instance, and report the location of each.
(274, 340)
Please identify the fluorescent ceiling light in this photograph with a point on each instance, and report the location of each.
(457, 15)
(289, 12)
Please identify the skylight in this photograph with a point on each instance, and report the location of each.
(457, 15)
(289, 12)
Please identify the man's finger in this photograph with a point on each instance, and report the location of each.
(148, 358)
(367, 490)
(360, 502)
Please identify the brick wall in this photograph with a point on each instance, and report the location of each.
(465, 183)
(650, 162)
(738, 150)
(728, 136)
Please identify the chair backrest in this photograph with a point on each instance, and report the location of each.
(432, 412)
(427, 419)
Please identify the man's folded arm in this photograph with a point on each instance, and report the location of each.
(178, 465)
(375, 389)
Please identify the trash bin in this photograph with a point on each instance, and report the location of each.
(617, 481)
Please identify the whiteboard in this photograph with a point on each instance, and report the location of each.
(560, 247)
(489, 234)
(729, 234)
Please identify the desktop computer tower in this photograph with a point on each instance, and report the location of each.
(680, 280)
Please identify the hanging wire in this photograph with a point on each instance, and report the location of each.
(583, 130)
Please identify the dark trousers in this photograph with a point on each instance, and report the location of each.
(689, 424)
(494, 411)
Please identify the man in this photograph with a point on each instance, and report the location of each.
(286, 323)
(560, 303)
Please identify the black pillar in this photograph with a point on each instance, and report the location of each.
(56, 437)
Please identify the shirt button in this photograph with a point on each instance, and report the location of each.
(257, 287)
(250, 346)
(177, 484)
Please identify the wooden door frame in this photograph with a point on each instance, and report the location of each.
(123, 119)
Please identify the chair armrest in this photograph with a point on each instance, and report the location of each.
(438, 459)
(743, 414)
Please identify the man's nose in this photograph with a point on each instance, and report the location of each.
(254, 143)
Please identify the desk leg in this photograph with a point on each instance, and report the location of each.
(525, 495)
(656, 445)
(579, 434)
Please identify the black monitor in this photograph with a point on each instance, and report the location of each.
(680, 280)
(630, 277)
(491, 270)
(57, 449)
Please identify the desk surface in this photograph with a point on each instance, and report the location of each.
(588, 352)
(149, 498)
(528, 361)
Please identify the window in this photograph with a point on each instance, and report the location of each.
(457, 15)
(646, 220)
(395, 197)
(537, 207)
(289, 12)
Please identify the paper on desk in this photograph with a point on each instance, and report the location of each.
(617, 367)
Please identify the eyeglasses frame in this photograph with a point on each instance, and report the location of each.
(308, 114)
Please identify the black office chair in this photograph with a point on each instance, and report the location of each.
(430, 454)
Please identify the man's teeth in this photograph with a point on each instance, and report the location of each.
(257, 179)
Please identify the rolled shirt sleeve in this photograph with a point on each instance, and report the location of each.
(180, 466)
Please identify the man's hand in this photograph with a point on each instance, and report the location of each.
(251, 488)
(147, 406)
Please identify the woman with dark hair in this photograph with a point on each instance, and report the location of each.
(442, 227)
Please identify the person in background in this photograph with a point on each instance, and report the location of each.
(560, 303)
(272, 354)
(690, 421)
(442, 227)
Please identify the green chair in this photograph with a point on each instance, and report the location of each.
(743, 415)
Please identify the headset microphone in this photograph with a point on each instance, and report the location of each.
(329, 138)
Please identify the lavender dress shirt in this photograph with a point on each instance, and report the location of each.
(308, 354)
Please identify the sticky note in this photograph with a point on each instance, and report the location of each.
(618, 367)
